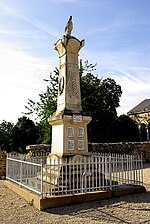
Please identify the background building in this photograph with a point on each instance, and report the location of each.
(141, 114)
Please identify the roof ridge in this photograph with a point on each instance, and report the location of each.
(144, 106)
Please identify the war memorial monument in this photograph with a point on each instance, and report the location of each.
(70, 174)
(69, 127)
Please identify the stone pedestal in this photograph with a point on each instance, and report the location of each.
(69, 134)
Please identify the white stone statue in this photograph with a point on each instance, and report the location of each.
(69, 27)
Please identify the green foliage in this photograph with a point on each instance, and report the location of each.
(44, 108)
(24, 133)
(45, 132)
(100, 98)
(47, 100)
(124, 129)
(6, 141)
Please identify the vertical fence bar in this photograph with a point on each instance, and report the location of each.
(42, 178)
(113, 170)
(66, 175)
(85, 176)
(21, 171)
(141, 170)
(73, 178)
(127, 169)
(58, 171)
(82, 175)
(62, 176)
(96, 171)
(122, 169)
(77, 170)
(99, 173)
(103, 172)
(7, 165)
(54, 191)
(110, 172)
(70, 179)
(92, 173)
(50, 176)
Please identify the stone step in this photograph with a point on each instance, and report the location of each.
(62, 187)
(65, 178)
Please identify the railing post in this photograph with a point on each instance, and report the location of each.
(110, 172)
(42, 178)
(7, 165)
(141, 167)
(127, 169)
(21, 170)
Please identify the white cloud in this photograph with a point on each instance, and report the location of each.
(49, 29)
(7, 10)
(135, 90)
(19, 33)
(21, 78)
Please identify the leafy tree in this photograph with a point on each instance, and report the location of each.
(24, 133)
(100, 98)
(47, 100)
(44, 131)
(124, 129)
(45, 107)
(6, 141)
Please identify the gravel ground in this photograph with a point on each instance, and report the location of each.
(133, 209)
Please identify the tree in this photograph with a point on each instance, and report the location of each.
(100, 98)
(124, 129)
(47, 100)
(45, 107)
(24, 133)
(6, 141)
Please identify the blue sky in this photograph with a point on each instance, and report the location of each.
(117, 38)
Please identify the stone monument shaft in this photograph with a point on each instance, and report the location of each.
(69, 127)
(69, 96)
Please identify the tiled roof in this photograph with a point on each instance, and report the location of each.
(144, 106)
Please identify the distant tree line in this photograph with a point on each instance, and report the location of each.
(100, 99)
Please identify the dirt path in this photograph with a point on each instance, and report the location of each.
(133, 209)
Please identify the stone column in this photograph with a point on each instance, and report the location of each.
(140, 137)
(147, 133)
(69, 95)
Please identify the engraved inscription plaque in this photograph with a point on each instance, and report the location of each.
(80, 131)
(77, 118)
(72, 84)
(80, 144)
(70, 144)
(70, 132)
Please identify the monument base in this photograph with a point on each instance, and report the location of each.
(71, 173)
(69, 134)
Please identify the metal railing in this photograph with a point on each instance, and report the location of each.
(71, 176)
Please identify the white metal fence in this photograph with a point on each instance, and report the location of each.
(68, 176)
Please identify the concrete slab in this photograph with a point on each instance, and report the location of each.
(58, 201)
